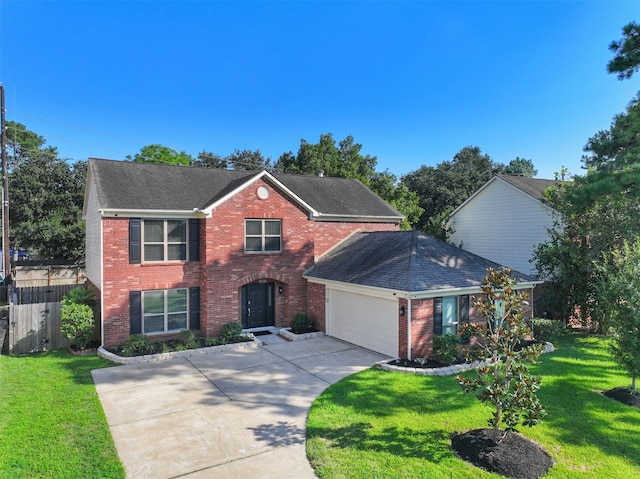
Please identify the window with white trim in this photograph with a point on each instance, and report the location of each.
(263, 236)
(165, 310)
(164, 240)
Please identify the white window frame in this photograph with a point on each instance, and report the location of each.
(165, 313)
(165, 242)
(263, 236)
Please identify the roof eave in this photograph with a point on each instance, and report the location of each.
(351, 218)
(127, 213)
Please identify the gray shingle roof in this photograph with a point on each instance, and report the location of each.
(532, 186)
(145, 186)
(407, 261)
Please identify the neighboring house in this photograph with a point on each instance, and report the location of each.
(172, 248)
(504, 220)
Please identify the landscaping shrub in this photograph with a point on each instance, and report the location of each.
(546, 329)
(81, 295)
(137, 344)
(76, 323)
(231, 331)
(445, 348)
(188, 339)
(301, 323)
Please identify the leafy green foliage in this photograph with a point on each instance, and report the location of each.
(546, 329)
(188, 339)
(444, 187)
(446, 348)
(231, 331)
(627, 59)
(622, 292)
(301, 323)
(521, 167)
(77, 324)
(504, 382)
(80, 295)
(137, 344)
(161, 154)
(46, 199)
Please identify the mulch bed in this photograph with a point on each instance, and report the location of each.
(624, 395)
(429, 363)
(503, 452)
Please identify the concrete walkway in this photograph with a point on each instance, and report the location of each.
(228, 415)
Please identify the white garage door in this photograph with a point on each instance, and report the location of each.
(363, 320)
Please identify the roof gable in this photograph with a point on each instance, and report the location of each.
(407, 261)
(133, 186)
(531, 187)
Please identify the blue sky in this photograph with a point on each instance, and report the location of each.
(413, 82)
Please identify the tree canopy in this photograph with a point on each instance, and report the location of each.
(161, 154)
(46, 195)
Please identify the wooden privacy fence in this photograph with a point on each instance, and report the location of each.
(35, 327)
(34, 318)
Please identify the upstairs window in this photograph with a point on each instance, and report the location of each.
(263, 236)
(164, 240)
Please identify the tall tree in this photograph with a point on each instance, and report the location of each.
(627, 52)
(211, 160)
(46, 197)
(251, 160)
(23, 143)
(444, 187)
(161, 154)
(345, 160)
(522, 167)
(599, 211)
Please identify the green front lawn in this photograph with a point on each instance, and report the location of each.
(51, 421)
(378, 424)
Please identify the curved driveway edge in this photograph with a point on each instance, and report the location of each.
(232, 414)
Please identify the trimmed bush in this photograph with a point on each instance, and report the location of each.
(301, 323)
(81, 295)
(137, 344)
(445, 348)
(546, 329)
(231, 331)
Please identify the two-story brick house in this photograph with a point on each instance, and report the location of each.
(172, 248)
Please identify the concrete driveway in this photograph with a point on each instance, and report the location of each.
(224, 415)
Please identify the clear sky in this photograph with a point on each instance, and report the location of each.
(413, 82)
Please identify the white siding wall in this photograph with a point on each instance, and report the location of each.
(93, 239)
(503, 224)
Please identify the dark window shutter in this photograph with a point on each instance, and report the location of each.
(464, 309)
(194, 240)
(194, 308)
(437, 316)
(135, 312)
(134, 240)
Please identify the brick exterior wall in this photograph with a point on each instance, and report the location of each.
(224, 267)
(422, 324)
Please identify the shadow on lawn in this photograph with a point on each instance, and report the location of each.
(432, 446)
(572, 381)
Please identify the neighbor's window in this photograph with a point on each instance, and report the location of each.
(450, 315)
(263, 236)
(164, 240)
(164, 311)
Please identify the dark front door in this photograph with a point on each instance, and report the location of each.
(258, 308)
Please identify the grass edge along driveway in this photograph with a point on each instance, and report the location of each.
(52, 424)
(378, 424)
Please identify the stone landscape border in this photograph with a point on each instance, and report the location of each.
(152, 358)
(444, 371)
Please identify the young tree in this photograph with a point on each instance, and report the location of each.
(622, 290)
(504, 382)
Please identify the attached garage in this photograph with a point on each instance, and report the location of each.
(368, 321)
